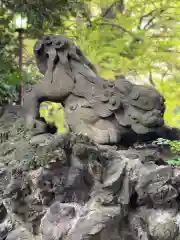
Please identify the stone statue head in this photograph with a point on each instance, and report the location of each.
(61, 48)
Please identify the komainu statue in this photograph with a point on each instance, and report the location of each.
(106, 111)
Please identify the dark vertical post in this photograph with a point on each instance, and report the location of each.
(20, 67)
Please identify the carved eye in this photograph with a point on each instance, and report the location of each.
(47, 40)
(58, 44)
(133, 117)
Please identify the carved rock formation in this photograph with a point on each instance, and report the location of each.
(67, 187)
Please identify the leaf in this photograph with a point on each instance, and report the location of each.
(175, 161)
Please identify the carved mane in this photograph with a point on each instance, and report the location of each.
(64, 49)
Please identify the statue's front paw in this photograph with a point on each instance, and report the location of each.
(38, 127)
(29, 122)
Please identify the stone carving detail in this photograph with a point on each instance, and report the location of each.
(105, 111)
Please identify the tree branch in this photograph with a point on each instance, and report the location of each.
(117, 2)
(121, 6)
(151, 79)
(145, 16)
(109, 9)
(123, 29)
(155, 13)
(150, 22)
(85, 14)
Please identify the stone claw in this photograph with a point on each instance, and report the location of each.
(39, 127)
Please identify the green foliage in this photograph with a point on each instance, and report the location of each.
(174, 145)
(175, 161)
(53, 113)
(9, 77)
(171, 91)
(175, 149)
(139, 39)
(43, 17)
(9, 71)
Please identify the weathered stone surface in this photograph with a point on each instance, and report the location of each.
(58, 220)
(90, 192)
(19, 234)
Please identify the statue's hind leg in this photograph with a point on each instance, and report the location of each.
(86, 122)
(109, 126)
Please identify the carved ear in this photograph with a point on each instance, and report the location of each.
(40, 53)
